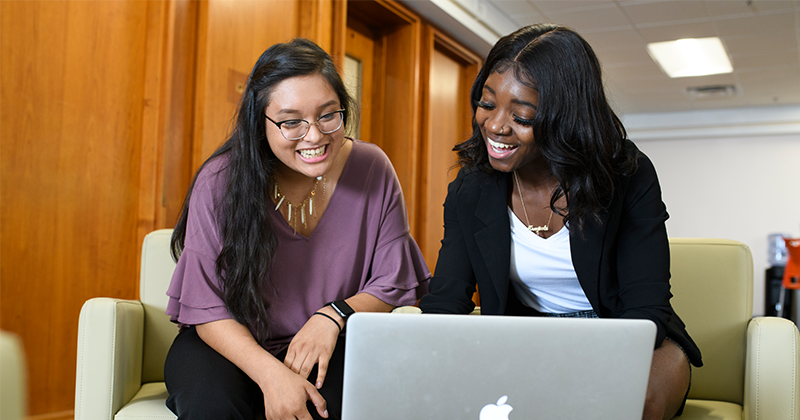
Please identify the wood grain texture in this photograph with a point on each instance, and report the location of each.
(73, 100)
(231, 36)
(395, 104)
(448, 72)
(362, 48)
(179, 68)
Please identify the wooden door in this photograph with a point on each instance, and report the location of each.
(447, 117)
(359, 76)
(392, 119)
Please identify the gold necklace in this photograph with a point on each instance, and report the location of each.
(292, 208)
(535, 229)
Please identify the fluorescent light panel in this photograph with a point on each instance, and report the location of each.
(691, 57)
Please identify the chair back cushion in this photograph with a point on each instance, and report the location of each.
(157, 268)
(712, 287)
(13, 381)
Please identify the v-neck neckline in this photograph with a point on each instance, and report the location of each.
(331, 202)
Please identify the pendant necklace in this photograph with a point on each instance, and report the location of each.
(535, 229)
(305, 209)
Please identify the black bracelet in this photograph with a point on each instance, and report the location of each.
(331, 318)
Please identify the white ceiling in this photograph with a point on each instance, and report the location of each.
(762, 38)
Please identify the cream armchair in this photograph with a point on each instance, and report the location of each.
(751, 365)
(122, 345)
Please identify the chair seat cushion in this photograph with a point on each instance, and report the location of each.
(149, 403)
(711, 410)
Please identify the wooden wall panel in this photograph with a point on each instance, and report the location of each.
(73, 108)
(179, 68)
(395, 114)
(449, 71)
(231, 37)
(445, 132)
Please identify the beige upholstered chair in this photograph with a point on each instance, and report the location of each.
(752, 365)
(13, 385)
(122, 345)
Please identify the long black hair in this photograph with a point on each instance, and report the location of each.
(249, 240)
(574, 127)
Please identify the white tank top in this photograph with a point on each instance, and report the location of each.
(541, 270)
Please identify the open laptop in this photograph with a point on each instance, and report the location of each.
(461, 367)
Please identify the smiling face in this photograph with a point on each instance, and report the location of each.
(505, 117)
(306, 98)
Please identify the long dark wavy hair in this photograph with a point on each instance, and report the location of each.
(249, 241)
(574, 127)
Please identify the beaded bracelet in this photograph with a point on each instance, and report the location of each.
(331, 318)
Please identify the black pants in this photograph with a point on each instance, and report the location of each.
(202, 384)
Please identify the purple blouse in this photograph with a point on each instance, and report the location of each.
(361, 244)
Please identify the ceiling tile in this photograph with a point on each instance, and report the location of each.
(623, 56)
(672, 32)
(643, 12)
(636, 71)
(560, 5)
(525, 19)
(777, 41)
(775, 59)
(788, 76)
(728, 7)
(637, 103)
(612, 39)
(599, 17)
(640, 86)
(511, 7)
(775, 98)
(754, 25)
(726, 102)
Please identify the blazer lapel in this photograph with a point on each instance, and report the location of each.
(587, 255)
(591, 265)
(493, 233)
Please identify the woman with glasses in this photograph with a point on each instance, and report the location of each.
(554, 211)
(288, 229)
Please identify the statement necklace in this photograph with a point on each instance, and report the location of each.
(535, 229)
(293, 209)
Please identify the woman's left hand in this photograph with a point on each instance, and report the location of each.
(314, 345)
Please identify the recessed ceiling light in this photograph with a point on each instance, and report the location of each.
(691, 57)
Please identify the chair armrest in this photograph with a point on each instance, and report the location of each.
(772, 370)
(109, 368)
(406, 310)
(416, 310)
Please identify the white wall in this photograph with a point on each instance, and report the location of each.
(727, 186)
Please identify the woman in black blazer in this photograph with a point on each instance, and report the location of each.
(554, 212)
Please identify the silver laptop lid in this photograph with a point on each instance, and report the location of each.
(403, 367)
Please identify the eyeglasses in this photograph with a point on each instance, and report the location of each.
(297, 129)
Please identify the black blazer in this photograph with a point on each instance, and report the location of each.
(622, 262)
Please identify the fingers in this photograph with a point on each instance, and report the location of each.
(322, 371)
(289, 400)
(316, 398)
(300, 363)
